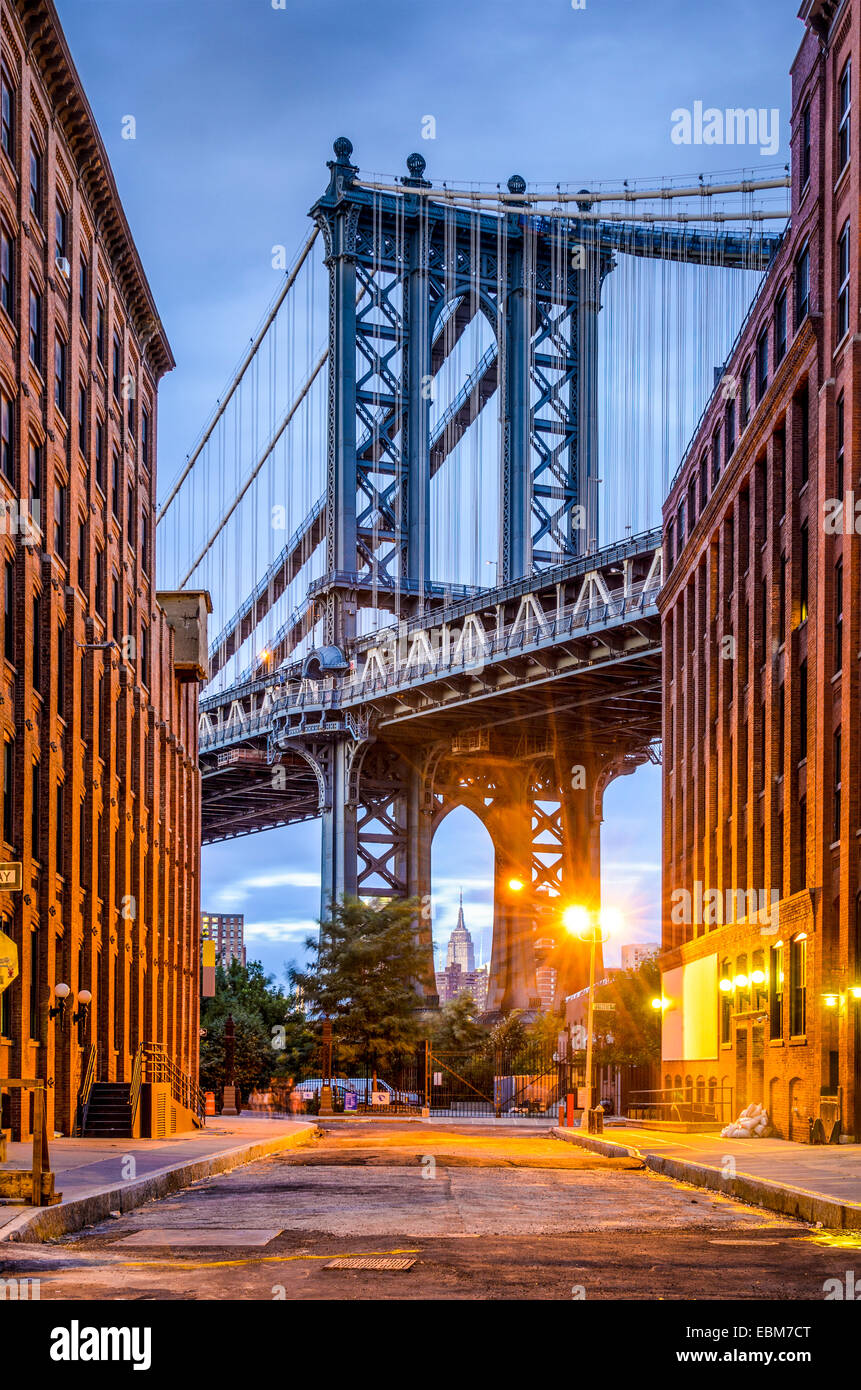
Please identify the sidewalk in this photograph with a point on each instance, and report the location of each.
(98, 1176)
(815, 1183)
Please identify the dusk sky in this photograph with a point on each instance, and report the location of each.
(236, 105)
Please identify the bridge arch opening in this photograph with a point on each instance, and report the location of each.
(632, 816)
(462, 861)
(464, 432)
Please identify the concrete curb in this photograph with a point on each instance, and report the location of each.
(796, 1202)
(41, 1223)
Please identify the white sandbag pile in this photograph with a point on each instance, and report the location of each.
(752, 1123)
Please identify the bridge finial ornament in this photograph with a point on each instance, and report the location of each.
(416, 163)
(517, 184)
(343, 149)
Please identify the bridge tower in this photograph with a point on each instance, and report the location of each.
(521, 700)
(405, 277)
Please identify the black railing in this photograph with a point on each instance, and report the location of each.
(683, 1104)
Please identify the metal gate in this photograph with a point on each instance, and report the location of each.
(525, 1082)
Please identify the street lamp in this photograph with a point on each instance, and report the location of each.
(593, 927)
(61, 993)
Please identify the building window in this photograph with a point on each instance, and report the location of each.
(115, 607)
(35, 813)
(802, 842)
(840, 460)
(762, 364)
(843, 282)
(803, 422)
(745, 395)
(7, 272)
(8, 789)
(9, 611)
(775, 991)
(37, 642)
(35, 328)
(61, 232)
(802, 708)
(116, 366)
(7, 114)
(838, 616)
(838, 783)
(729, 430)
(60, 521)
(100, 583)
(82, 419)
(144, 541)
(844, 106)
(726, 1003)
(34, 984)
(130, 515)
(36, 181)
(34, 468)
(82, 553)
(716, 437)
(61, 669)
(59, 800)
(60, 375)
(84, 290)
(805, 146)
(798, 985)
(100, 329)
(115, 482)
(145, 437)
(144, 654)
(7, 437)
(100, 454)
(805, 575)
(802, 287)
(780, 328)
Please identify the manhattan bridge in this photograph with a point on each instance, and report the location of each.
(427, 507)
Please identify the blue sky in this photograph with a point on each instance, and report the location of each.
(236, 104)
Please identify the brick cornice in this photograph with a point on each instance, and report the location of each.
(49, 50)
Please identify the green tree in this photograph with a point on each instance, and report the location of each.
(509, 1034)
(252, 1053)
(456, 1028)
(366, 962)
(632, 1032)
(277, 1039)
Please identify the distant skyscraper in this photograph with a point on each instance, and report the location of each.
(460, 948)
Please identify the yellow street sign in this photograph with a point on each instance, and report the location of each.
(11, 878)
(8, 961)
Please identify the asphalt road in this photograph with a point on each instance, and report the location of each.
(485, 1213)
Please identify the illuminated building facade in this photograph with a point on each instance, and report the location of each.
(761, 638)
(98, 683)
(228, 932)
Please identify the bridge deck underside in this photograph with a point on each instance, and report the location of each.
(612, 707)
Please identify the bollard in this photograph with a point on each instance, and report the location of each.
(569, 1110)
(209, 1108)
(561, 1114)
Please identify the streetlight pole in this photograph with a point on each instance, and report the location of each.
(587, 1109)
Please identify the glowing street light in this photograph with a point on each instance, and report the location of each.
(516, 885)
(592, 927)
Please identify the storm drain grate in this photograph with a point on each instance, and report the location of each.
(370, 1262)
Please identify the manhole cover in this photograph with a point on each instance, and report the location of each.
(369, 1262)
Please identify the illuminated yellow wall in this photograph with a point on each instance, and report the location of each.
(690, 1027)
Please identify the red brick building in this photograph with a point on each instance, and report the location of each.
(98, 694)
(761, 614)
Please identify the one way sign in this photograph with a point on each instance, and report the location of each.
(11, 878)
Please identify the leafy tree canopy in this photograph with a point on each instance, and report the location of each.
(365, 965)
